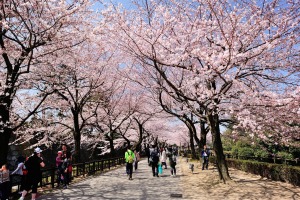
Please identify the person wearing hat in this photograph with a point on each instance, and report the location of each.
(33, 165)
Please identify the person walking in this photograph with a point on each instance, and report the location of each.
(172, 160)
(154, 156)
(129, 159)
(4, 182)
(163, 158)
(33, 165)
(19, 172)
(205, 157)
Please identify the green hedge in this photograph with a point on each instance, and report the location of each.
(277, 172)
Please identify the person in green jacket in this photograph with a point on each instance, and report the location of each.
(129, 159)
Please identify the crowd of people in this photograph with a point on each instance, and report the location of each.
(28, 173)
(63, 163)
(157, 159)
(34, 164)
(28, 170)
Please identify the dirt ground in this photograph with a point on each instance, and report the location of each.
(205, 184)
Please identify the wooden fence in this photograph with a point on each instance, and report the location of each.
(49, 176)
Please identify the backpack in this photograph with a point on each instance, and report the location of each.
(154, 156)
(130, 157)
(172, 159)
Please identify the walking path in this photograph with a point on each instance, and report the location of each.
(115, 185)
(197, 186)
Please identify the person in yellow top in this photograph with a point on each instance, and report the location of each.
(129, 159)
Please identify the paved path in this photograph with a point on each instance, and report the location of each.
(115, 185)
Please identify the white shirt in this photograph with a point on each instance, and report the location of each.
(163, 157)
(19, 170)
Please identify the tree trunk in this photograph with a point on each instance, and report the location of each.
(111, 145)
(77, 154)
(4, 141)
(138, 146)
(192, 131)
(213, 121)
(77, 136)
(5, 133)
(197, 140)
(127, 140)
(203, 135)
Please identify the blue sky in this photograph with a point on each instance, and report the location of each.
(125, 3)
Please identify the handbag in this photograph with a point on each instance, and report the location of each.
(160, 169)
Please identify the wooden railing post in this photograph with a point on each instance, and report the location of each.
(94, 167)
(77, 171)
(83, 168)
(102, 165)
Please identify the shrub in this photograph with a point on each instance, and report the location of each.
(261, 153)
(246, 152)
(285, 155)
(275, 172)
(235, 151)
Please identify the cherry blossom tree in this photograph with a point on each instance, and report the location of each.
(31, 33)
(271, 115)
(146, 113)
(78, 83)
(228, 50)
(113, 117)
(173, 104)
(188, 119)
(149, 110)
